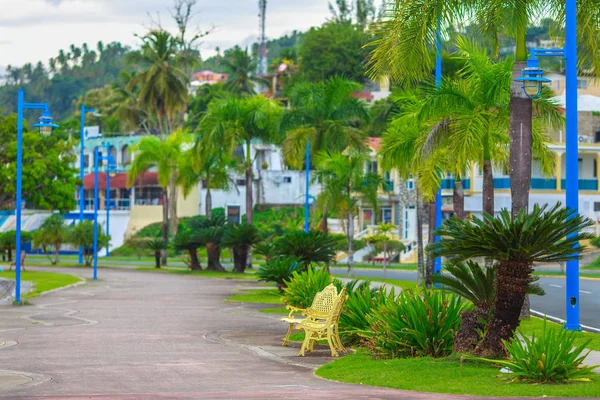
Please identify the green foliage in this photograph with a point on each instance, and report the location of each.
(53, 233)
(278, 270)
(309, 248)
(415, 325)
(265, 249)
(595, 241)
(240, 238)
(82, 235)
(550, 358)
(242, 77)
(543, 235)
(332, 50)
(303, 286)
(49, 180)
(354, 325)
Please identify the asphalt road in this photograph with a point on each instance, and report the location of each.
(552, 304)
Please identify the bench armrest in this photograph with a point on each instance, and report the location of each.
(295, 310)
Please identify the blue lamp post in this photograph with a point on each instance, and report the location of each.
(532, 78)
(81, 168)
(437, 266)
(46, 126)
(109, 170)
(306, 204)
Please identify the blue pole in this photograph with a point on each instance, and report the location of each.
(306, 205)
(81, 173)
(572, 295)
(107, 195)
(437, 266)
(96, 213)
(20, 104)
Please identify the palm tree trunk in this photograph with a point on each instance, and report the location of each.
(458, 199)
(385, 258)
(512, 281)
(208, 202)
(165, 224)
(431, 239)
(240, 257)
(157, 258)
(213, 253)
(249, 205)
(520, 133)
(488, 179)
(350, 240)
(420, 255)
(194, 262)
(173, 205)
(325, 217)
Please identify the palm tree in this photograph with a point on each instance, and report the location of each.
(327, 117)
(152, 152)
(52, 233)
(161, 80)
(307, 248)
(183, 241)
(345, 183)
(404, 42)
(241, 80)
(241, 238)
(238, 122)
(158, 246)
(544, 235)
(469, 115)
(208, 232)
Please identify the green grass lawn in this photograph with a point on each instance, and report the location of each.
(44, 281)
(247, 276)
(275, 310)
(448, 375)
(263, 296)
(528, 327)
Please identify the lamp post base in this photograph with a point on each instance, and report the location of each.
(573, 327)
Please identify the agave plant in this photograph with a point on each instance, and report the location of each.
(157, 245)
(544, 235)
(309, 248)
(240, 238)
(278, 270)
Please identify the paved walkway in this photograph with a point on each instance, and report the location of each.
(135, 335)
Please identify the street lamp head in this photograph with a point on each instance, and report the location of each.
(532, 79)
(112, 170)
(46, 125)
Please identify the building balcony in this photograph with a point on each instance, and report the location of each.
(448, 184)
(584, 184)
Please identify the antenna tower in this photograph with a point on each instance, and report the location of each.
(262, 45)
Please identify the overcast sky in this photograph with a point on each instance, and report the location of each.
(35, 30)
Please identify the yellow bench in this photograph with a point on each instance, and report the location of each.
(320, 322)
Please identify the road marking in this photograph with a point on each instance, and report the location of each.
(585, 291)
(558, 286)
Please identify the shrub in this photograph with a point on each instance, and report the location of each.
(303, 286)
(411, 325)
(354, 325)
(240, 238)
(278, 270)
(551, 358)
(595, 241)
(265, 249)
(309, 248)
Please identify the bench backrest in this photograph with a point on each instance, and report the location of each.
(324, 303)
(338, 308)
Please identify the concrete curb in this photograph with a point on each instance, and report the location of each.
(562, 321)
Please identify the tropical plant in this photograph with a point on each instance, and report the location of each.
(469, 114)
(82, 235)
(208, 232)
(386, 230)
(137, 244)
(345, 183)
(238, 122)
(161, 80)
(183, 242)
(278, 270)
(303, 286)
(157, 246)
(404, 41)
(52, 233)
(552, 357)
(164, 155)
(547, 234)
(8, 242)
(415, 324)
(242, 79)
(354, 325)
(240, 238)
(309, 248)
(266, 249)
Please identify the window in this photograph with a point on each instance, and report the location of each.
(596, 206)
(372, 167)
(582, 84)
(287, 179)
(240, 182)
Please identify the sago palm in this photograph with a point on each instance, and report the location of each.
(544, 235)
(404, 45)
(208, 232)
(308, 248)
(239, 122)
(240, 238)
